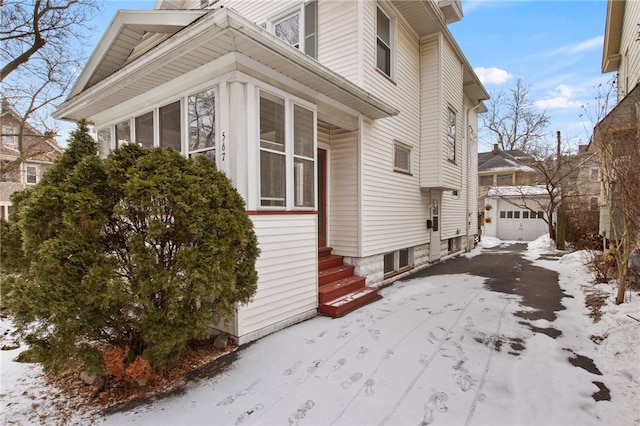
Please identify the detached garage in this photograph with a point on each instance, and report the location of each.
(516, 213)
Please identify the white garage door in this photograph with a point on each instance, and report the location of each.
(516, 224)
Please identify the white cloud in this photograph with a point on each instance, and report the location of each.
(560, 98)
(592, 43)
(492, 75)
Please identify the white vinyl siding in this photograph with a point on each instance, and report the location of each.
(288, 266)
(430, 166)
(629, 69)
(338, 42)
(393, 209)
(344, 182)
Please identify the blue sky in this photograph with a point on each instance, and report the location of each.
(555, 47)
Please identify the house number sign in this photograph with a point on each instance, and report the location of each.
(223, 146)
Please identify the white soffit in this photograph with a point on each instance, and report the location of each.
(218, 33)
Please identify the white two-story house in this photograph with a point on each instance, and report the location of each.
(349, 127)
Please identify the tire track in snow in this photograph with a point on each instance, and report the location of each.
(427, 362)
(479, 396)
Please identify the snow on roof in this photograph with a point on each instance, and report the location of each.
(517, 191)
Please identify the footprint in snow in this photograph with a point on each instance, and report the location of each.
(301, 412)
(231, 398)
(362, 352)
(290, 371)
(388, 354)
(314, 366)
(339, 364)
(244, 416)
(352, 379)
(375, 334)
(368, 387)
(436, 402)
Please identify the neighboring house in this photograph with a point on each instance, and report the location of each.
(349, 128)
(511, 207)
(19, 171)
(587, 181)
(617, 135)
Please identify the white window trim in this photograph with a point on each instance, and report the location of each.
(300, 10)
(402, 146)
(9, 132)
(26, 174)
(289, 103)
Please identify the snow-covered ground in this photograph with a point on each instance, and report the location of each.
(434, 350)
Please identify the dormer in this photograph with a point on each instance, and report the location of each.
(451, 9)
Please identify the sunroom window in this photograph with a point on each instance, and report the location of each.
(272, 152)
(123, 132)
(287, 153)
(202, 119)
(304, 172)
(144, 130)
(170, 126)
(104, 141)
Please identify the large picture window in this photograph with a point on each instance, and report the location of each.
(202, 119)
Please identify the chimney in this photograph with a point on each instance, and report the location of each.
(495, 148)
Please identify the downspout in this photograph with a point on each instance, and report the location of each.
(468, 219)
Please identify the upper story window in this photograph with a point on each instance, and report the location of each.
(401, 157)
(504, 180)
(486, 180)
(9, 136)
(383, 41)
(299, 28)
(594, 174)
(451, 136)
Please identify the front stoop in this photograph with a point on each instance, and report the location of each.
(339, 290)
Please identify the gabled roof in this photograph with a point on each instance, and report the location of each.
(497, 160)
(199, 37)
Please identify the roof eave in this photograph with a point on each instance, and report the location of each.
(220, 22)
(612, 35)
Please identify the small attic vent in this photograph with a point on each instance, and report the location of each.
(452, 10)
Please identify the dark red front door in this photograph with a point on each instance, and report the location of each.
(322, 198)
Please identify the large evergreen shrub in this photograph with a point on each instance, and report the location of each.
(141, 251)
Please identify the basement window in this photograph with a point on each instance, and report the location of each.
(398, 261)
